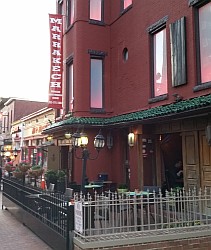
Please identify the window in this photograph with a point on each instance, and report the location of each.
(70, 12)
(95, 7)
(125, 54)
(69, 92)
(97, 83)
(60, 7)
(126, 4)
(159, 63)
(204, 26)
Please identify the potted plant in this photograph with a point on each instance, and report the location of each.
(61, 175)
(122, 188)
(17, 173)
(9, 167)
(51, 177)
(24, 166)
(35, 171)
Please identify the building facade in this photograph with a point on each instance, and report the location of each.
(140, 67)
(11, 112)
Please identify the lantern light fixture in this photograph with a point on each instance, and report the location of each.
(68, 135)
(131, 139)
(49, 138)
(76, 139)
(81, 140)
(15, 152)
(110, 141)
(2, 152)
(99, 141)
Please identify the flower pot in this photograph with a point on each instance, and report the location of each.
(24, 168)
(18, 175)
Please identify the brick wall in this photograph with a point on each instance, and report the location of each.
(201, 243)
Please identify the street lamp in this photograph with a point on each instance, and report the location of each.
(15, 152)
(81, 140)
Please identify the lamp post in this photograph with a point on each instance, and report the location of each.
(81, 140)
(2, 155)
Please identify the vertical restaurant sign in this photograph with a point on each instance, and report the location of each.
(56, 50)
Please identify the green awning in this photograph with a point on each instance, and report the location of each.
(173, 109)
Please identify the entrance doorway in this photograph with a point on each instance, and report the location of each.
(171, 150)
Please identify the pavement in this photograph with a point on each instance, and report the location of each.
(15, 236)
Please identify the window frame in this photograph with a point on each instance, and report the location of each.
(69, 13)
(60, 7)
(69, 98)
(153, 30)
(123, 10)
(94, 21)
(197, 4)
(99, 55)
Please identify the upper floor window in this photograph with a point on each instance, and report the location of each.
(70, 12)
(95, 10)
(204, 26)
(126, 4)
(97, 83)
(60, 7)
(69, 87)
(159, 63)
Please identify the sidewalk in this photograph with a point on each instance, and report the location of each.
(15, 236)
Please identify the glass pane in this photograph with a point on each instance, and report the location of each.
(70, 79)
(95, 10)
(127, 3)
(72, 12)
(205, 42)
(96, 83)
(160, 64)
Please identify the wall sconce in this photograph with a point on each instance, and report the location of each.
(67, 135)
(49, 138)
(110, 141)
(131, 139)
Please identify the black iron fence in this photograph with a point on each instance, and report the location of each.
(49, 210)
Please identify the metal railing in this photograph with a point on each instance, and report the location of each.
(113, 217)
(49, 208)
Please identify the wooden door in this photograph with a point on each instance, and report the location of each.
(205, 161)
(190, 148)
(53, 157)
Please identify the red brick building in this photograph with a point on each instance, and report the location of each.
(142, 67)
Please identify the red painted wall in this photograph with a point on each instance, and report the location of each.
(127, 84)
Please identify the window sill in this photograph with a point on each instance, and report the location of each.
(97, 111)
(68, 28)
(126, 10)
(96, 22)
(202, 86)
(158, 98)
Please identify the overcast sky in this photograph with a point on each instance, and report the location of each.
(25, 48)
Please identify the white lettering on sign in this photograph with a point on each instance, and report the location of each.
(56, 40)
